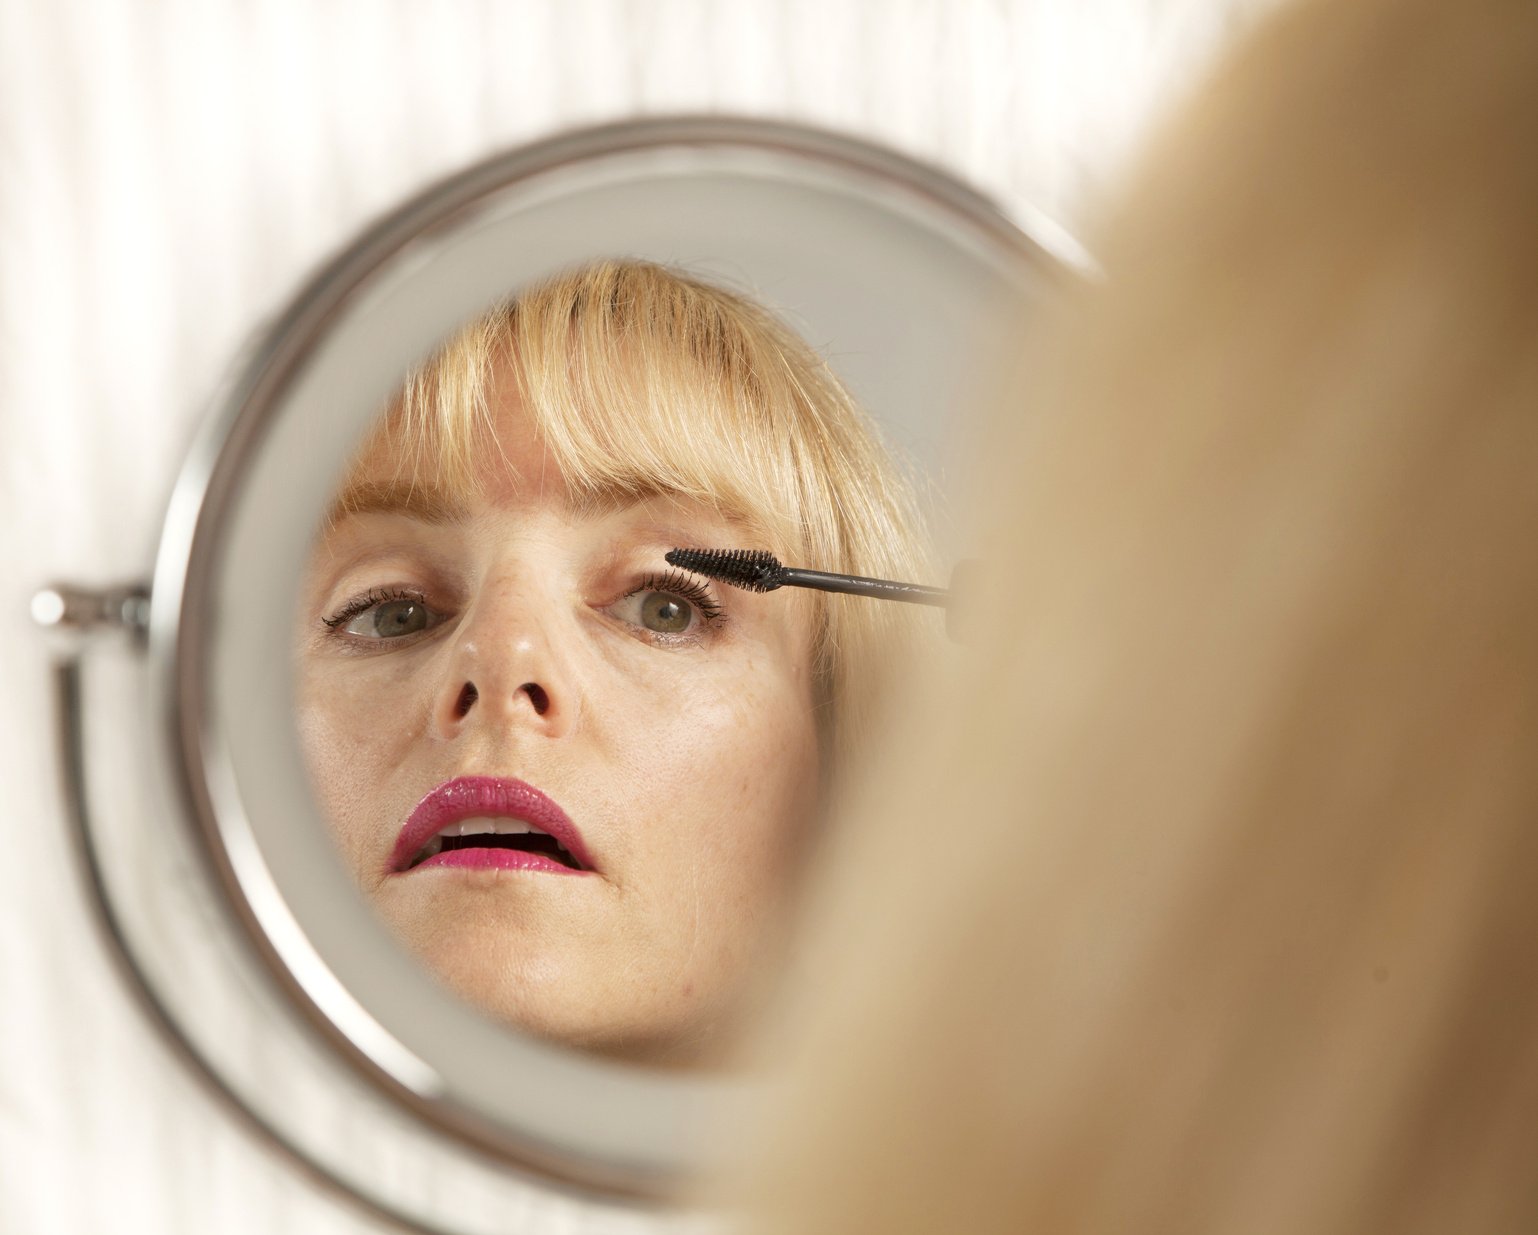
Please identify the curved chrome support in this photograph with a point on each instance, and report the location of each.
(68, 694)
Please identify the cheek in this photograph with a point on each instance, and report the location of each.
(354, 728)
(730, 773)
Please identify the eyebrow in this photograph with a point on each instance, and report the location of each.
(426, 503)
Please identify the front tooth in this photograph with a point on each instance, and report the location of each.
(471, 827)
(511, 827)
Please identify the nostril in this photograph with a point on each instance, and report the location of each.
(467, 697)
(537, 697)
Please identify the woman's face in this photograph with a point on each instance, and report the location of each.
(508, 662)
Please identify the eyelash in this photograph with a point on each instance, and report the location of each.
(365, 602)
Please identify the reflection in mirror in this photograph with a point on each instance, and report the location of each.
(577, 783)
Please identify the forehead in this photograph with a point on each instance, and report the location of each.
(667, 520)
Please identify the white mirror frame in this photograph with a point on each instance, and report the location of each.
(266, 919)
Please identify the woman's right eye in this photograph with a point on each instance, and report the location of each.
(384, 617)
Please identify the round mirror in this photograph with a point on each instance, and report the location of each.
(888, 273)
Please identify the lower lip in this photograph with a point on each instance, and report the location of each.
(497, 859)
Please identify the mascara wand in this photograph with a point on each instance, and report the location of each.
(757, 570)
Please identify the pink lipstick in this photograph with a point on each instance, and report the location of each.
(492, 823)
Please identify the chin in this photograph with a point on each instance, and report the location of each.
(550, 1000)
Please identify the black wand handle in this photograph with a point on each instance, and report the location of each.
(859, 585)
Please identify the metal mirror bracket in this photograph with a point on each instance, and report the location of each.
(99, 683)
(300, 1037)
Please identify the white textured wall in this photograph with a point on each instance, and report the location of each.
(168, 169)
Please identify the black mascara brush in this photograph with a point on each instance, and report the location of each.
(760, 571)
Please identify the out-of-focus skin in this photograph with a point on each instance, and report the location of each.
(515, 636)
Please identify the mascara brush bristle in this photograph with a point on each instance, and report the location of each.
(756, 570)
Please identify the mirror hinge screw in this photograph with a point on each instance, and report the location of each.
(64, 606)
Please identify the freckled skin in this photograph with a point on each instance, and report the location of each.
(690, 767)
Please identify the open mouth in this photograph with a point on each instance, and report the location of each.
(492, 823)
(507, 835)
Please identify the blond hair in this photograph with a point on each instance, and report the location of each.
(1236, 927)
(642, 381)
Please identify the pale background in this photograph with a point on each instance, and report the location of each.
(168, 171)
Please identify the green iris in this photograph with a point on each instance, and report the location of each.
(666, 614)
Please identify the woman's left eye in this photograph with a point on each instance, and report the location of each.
(676, 605)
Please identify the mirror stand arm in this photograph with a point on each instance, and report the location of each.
(69, 711)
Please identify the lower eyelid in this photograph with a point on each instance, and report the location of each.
(371, 646)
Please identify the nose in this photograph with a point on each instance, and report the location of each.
(505, 668)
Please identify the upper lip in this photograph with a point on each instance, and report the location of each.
(496, 797)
